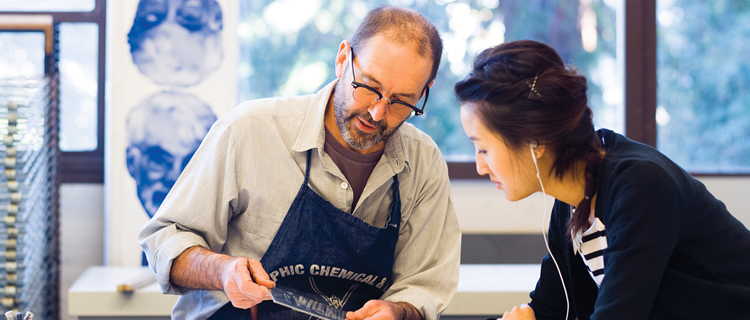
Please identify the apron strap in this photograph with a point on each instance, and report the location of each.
(307, 168)
(395, 210)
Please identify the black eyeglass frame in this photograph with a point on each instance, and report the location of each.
(415, 111)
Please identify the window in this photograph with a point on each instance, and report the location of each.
(80, 29)
(79, 50)
(48, 5)
(304, 36)
(22, 54)
(702, 112)
(703, 109)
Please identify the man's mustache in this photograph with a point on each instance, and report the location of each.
(380, 125)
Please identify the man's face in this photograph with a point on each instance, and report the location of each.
(357, 125)
(392, 69)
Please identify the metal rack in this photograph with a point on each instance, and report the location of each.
(29, 201)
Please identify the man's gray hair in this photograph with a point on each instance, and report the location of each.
(404, 26)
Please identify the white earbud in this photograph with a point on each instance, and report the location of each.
(532, 146)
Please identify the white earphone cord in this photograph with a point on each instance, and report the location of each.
(546, 242)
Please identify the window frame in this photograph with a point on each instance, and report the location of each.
(83, 166)
(638, 23)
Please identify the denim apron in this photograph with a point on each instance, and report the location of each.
(328, 252)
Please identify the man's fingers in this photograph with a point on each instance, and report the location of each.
(374, 309)
(241, 277)
(253, 290)
(366, 311)
(259, 275)
(248, 295)
(240, 287)
(355, 315)
(350, 315)
(240, 304)
(247, 287)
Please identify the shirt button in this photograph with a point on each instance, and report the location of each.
(344, 185)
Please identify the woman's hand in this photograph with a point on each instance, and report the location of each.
(523, 312)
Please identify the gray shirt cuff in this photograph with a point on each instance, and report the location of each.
(170, 249)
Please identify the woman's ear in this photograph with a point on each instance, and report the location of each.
(536, 149)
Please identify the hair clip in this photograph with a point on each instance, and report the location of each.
(532, 86)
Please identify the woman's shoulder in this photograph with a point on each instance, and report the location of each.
(637, 180)
(628, 161)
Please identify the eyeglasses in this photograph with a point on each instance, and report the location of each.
(367, 95)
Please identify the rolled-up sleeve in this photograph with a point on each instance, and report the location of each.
(427, 260)
(198, 207)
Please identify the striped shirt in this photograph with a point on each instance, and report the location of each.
(591, 244)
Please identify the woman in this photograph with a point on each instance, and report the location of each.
(634, 235)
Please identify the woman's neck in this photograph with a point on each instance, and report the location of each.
(570, 189)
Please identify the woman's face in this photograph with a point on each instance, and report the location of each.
(512, 172)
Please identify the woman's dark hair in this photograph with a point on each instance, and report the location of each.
(525, 93)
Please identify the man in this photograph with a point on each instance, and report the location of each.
(331, 193)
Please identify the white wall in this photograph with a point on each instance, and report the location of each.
(81, 234)
(479, 206)
(483, 209)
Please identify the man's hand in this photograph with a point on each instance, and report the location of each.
(245, 282)
(385, 310)
(242, 279)
(524, 312)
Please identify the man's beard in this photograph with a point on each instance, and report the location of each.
(353, 136)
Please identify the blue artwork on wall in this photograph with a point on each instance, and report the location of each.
(177, 42)
(164, 131)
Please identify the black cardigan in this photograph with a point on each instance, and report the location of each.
(674, 251)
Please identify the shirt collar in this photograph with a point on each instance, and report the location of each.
(312, 133)
(395, 151)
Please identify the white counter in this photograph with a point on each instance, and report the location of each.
(482, 290)
(94, 294)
